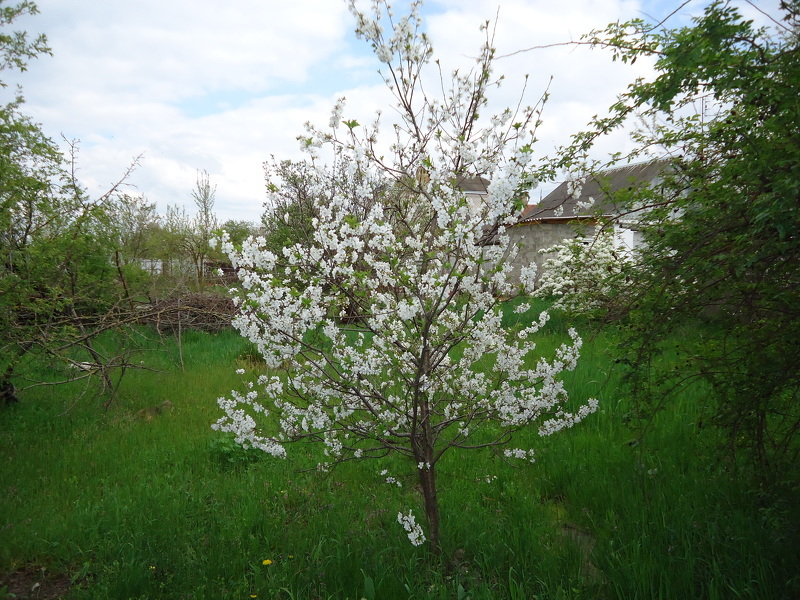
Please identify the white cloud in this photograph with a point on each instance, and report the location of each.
(201, 85)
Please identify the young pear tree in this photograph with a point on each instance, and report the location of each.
(387, 320)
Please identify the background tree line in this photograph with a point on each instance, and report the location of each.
(74, 268)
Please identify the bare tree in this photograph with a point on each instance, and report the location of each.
(198, 241)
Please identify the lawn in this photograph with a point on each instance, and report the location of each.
(144, 500)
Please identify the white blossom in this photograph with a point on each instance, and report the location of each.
(579, 274)
(574, 183)
(385, 324)
(336, 115)
(415, 534)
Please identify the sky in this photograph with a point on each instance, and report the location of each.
(187, 86)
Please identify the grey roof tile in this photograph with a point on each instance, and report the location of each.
(558, 205)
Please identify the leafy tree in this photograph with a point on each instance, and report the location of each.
(240, 230)
(135, 221)
(182, 242)
(721, 264)
(16, 49)
(171, 243)
(294, 197)
(59, 284)
(418, 364)
(291, 207)
(28, 159)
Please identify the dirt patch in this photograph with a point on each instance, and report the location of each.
(585, 543)
(30, 582)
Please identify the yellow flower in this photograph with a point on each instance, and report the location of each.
(266, 561)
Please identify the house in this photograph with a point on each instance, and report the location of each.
(474, 190)
(576, 208)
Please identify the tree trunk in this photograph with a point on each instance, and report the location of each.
(427, 478)
(423, 445)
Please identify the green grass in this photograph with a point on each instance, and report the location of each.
(168, 508)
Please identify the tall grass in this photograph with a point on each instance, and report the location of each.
(131, 507)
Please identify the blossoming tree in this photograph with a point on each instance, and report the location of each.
(388, 321)
(580, 274)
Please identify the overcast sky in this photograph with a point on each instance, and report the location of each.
(203, 85)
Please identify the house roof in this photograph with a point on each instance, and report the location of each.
(592, 200)
(474, 185)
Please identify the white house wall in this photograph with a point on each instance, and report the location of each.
(530, 238)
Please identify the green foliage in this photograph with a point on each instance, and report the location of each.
(231, 455)
(290, 208)
(134, 226)
(723, 232)
(133, 508)
(239, 230)
(15, 47)
(61, 279)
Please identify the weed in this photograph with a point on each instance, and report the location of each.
(228, 454)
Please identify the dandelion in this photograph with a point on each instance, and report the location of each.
(266, 562)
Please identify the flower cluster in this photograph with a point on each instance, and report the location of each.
(405, 43)
(579, 274)
(415, 534)
(519, 453)
(390, 479)
(575, 183)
